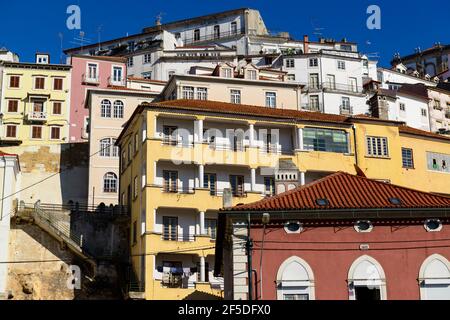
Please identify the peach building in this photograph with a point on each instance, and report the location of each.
(108, 110)
(91, 73)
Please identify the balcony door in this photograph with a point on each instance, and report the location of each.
(209, 182)
(237, 185)
(38, 106)
(170, 228)
(170, 181)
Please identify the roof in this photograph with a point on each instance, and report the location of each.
(346, 191)
(7, 154)
(418, 132)
(147, 80)
(418, 90)
(431, 50)
(105, 58)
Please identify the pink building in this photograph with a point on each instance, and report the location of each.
(90, 72)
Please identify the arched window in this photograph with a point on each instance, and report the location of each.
(434, 278)
(106, 109)
(110, 183)
(118, 109)
(108, 148)
(295, 280)
(366, 280)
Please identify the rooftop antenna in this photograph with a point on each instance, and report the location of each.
(158, 19)
(99, 36)
(81, 40)
(61, 37)
(317, 29)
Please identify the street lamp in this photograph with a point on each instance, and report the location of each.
(265, 220)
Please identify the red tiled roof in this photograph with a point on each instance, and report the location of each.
(242, 109)
(146, 80)
(130, 89)
(418, 132)
(346, 191)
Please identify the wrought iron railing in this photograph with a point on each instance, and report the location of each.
(214, 36)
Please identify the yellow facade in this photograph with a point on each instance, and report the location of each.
(148, 198)
(35, 103)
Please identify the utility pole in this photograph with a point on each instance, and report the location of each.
(249, 247)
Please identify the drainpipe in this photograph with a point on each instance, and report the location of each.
(355, 143)
(249, 247)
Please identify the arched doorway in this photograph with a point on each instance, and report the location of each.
(295, 280)
(434, 278)
(366, 280)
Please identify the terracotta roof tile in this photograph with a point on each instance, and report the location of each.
(418, 132)
(346, 191)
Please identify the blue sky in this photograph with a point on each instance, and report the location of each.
(28, 26)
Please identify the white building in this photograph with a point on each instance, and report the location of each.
(409, 104)
(6, 55)
(392, 79)
(333, 79)
(9, 184)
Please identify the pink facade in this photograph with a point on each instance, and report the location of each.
(401, 249)
(89, 73)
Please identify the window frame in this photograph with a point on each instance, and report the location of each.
(407, 163)
(380, 143)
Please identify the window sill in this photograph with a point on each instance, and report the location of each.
(375, 157)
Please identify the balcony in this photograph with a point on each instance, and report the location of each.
(214, 36)
(37, 116)
(334, 87)
(112, 82)
(346, 110)
(315, 107)
(95, 80)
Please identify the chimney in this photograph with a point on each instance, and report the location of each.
(305, 44)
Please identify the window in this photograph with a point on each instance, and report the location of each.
(233, 28)
(170, 135)
(124, 160)
(106, 109)
(55, 133)
(271, 99)
(57, 108)
(147, 75)
(36, 132)
(14, 81)
(226, 73)
(328, 140)
(313, 62)
(437, 104)
(367, 280)
(346, 47)
(269, 186)
(170, 181)
(237, 185)
(118, 109)
(363, 226)
(92, 71)
(314, 103)
(423, 112)
(144, 131)
(38, 106)
(290, 63)
(117, 74)
(209, 182)
(407, 158)
(143, 175)
(341, 65)
(434, 278)
(147, 58)
(314, 80)
(295, 280)
(135, 187)
(202, 94)
(57, 84)
(110, 183)
(216, 32)
(252, 74)
(130, 61)
(235, 96)
(402, 107)
(293, 227)
(438, 162)
(11, 131)
(291, 77)
(108, 148)
(433, 225)
(170, 228)
(377, 147)
(13, 106)
(188, 93)
(345, 106)
(211, 227)
(39, 83)
(197, 35)
(136, 142)
(353, 84)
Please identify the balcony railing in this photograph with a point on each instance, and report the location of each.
(117, 82)
(239, 146)
(170, 236)
(176, 142)
(91, 79)
(316, 107)
(335, 87)
(346, 110)
(171, 188)
(214, 36)
(37, 116)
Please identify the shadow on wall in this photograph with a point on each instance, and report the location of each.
(74, 172)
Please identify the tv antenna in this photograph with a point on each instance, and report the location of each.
(99, 36)
(80, 40)
(317, 29)
(158, 18)
(61, 37)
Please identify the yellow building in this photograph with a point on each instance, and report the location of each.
(34, 103)
(179, 158)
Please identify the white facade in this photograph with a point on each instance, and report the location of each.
(9, 184)
(333, 80)
(393, 79)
